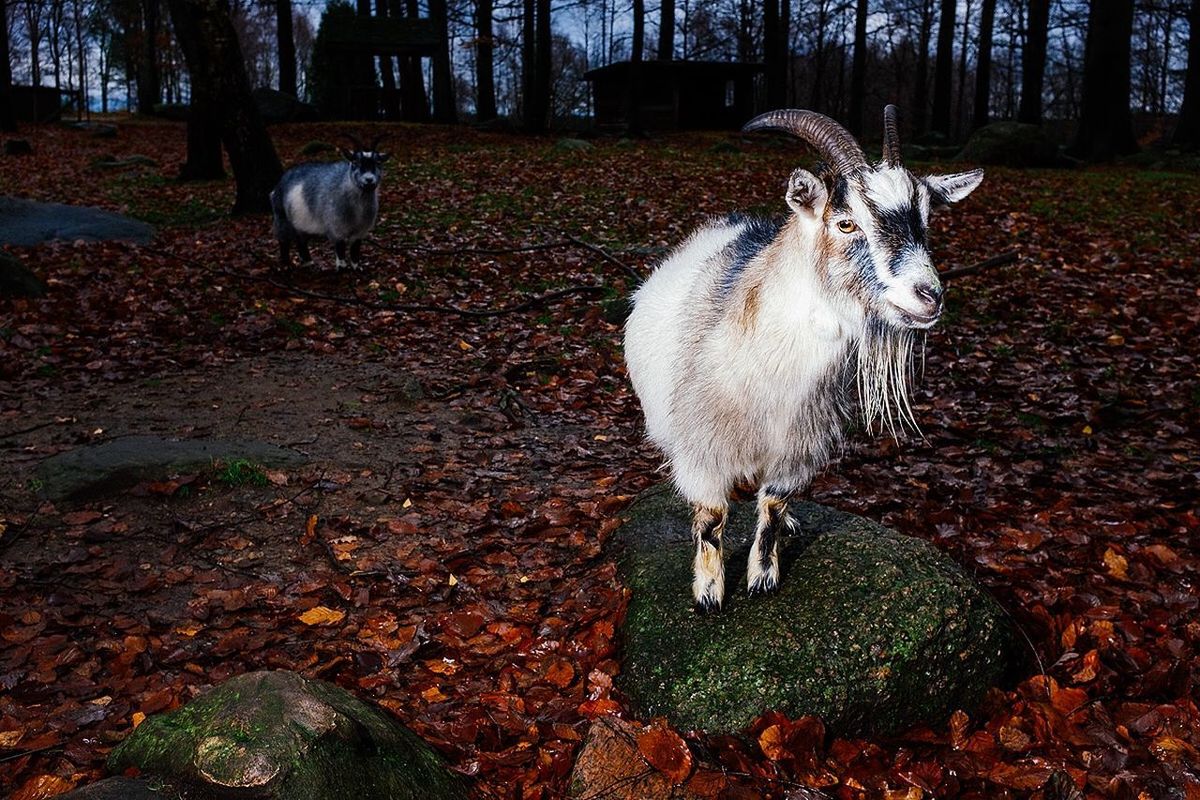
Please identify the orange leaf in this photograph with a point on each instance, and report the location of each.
(320, 615)
(773, 743)
(40, 787)
(1117, 564)
(666, 751)
(958, 729)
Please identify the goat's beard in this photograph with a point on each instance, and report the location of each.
(885, 372)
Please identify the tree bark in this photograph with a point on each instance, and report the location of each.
(772, 58)
(943, 69)
(543, 63)
(529, 111)
(286, 45)
(8, 117)
(983, 65)
(1187, 132)
(485, 80)
(1033, 62)
(666, 31)
(858, 74)
(414, 104)
(921, 85)
(633, 116)
(444, 108)
(149, 83)
(1105, 122)
(391, 99)
(218, 74)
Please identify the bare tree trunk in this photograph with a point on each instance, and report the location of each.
(772, 58)
(633, 116)
(921, 85)
(983, 65)
(218, 77)
(390, 101)
(1105, 123)
(543, 64)
(485, 80)
(444, 109)
(1187, 133)
(149, 83)
(414, 105)
(286, 46)
(666, 31)
(8, 117)
(1033, 63)
(530, 118)
(943, 69)
(858, 74)
(961, 114)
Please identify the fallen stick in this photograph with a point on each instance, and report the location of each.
(995, 261)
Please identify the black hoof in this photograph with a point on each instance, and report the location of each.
(762, 588)
(705, 607)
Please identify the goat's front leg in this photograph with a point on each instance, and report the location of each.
(339, 252)
(762, 570)
(302, 249)
(708, 568)
(356, 254)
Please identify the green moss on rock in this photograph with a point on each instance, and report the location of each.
(277, 735)
(871, 630)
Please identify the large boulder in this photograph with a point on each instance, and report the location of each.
(25, 222)
(871, 630)
(1011, 144)
(118, 464)
(274, 106)
(277, 735)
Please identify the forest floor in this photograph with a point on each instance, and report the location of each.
(451, 535)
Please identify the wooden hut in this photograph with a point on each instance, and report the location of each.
(676, 95)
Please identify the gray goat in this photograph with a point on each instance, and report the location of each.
(744, 343)
(338, 201)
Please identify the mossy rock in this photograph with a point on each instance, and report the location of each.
(278, 735)
(574, 145)
(1011, 144)
(873, 631)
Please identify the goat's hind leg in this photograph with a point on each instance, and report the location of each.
(356, 254)
(708, 568)
(762, 569)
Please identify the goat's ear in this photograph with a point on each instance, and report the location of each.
(347, 154)
(806, 194)
(947, 189)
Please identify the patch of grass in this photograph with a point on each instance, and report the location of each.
(240, 472)
(35, 485)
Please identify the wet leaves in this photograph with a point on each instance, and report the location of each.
(466, 590)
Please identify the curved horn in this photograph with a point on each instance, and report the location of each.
(831, 140)
(891, 137)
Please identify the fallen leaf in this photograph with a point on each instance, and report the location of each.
(320, 615)
(666, 751)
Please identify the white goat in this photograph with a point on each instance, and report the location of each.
(744, 342)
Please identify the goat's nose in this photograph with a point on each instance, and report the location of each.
(931, 293)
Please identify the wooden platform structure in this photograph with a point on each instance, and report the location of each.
(676, 95)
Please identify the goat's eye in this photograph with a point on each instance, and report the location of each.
(846, 226)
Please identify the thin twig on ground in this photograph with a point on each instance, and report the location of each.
(995, 261)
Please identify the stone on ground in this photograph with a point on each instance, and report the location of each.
(118, 464)
(25, 222)
(276, 735)
(873, 631)
(610, 767)
(1011, 144)
(16, 280)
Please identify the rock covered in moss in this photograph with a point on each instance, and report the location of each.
(1011, 144)
(278, 735)
(871, 630)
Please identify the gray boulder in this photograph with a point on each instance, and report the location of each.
(25, 222)
(277, 735)
(871, 630)
(118, 464)
(1011, 144)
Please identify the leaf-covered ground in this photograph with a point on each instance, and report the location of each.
(441, 554)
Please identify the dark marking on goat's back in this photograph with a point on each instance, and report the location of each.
(756, 235)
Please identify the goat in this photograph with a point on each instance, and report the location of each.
(337, 200)
(744, 341)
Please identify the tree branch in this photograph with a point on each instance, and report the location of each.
(995, 261)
